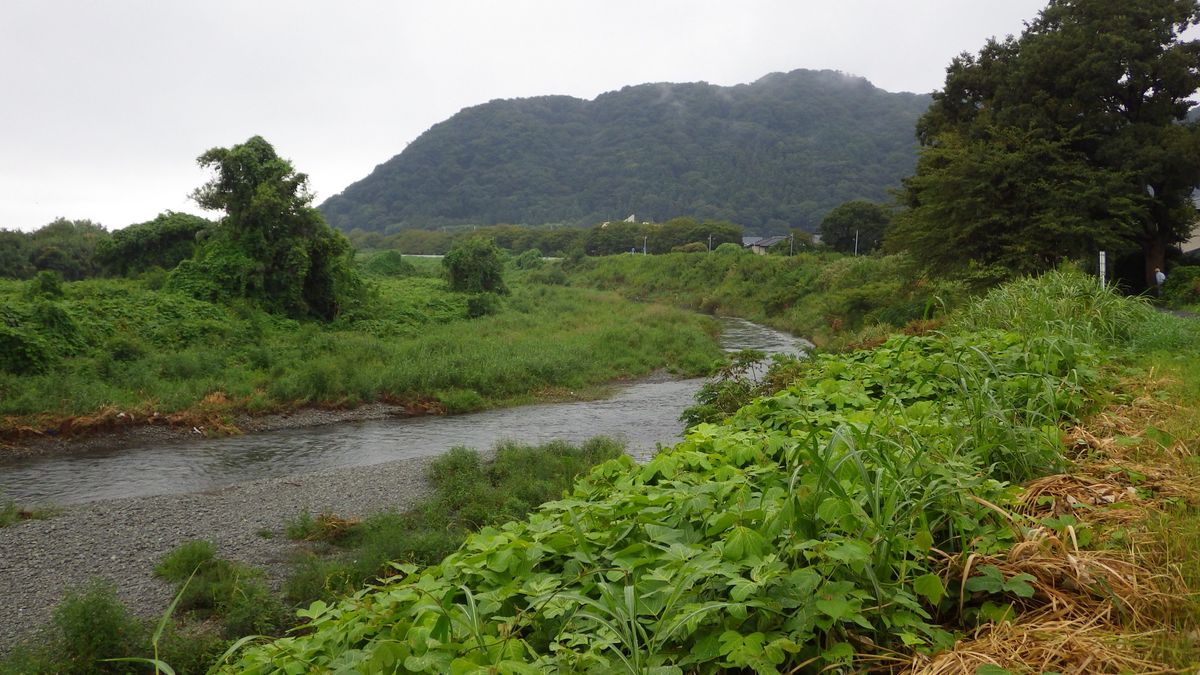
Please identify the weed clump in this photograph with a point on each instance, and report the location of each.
(210, 586)
(469, 493)
(90, 624)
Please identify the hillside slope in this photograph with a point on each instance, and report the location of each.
(780, 151)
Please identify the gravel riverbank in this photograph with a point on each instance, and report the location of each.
(121, 540)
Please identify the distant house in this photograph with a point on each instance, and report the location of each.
(1192, 245)
(760, 245)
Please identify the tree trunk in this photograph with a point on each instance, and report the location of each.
(1154, 248)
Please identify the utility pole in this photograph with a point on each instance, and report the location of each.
(792, 244)
(856, 242)
(644, 244)
(710, 243)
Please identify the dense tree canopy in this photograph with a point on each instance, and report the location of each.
(776, 153)
(272, 246)
(855, 226)
(1061, 142)
(64, 246)
(163, 242)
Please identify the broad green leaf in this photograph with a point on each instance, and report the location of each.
(851, 552)
(923, 539)
(930, 587)
(838, 652)
(836, 608)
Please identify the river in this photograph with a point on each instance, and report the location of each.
(644, 414)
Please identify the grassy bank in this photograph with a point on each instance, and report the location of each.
(869, 516)
(830, 298)
(108, 352)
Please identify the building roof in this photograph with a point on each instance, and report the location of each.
(767, 242)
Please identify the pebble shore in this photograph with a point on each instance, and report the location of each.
(121, 540)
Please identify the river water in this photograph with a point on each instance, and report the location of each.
(643, 414)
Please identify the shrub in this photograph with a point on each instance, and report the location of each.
(1182, 288)
(91, 624)
(218, 587)
(483, 304)
(529, 260)
(23, 352)
(389, 264)
(551, 275)
(473, 266)
(45, 284)
(189, 557)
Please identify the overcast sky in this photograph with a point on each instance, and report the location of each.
(104, 106)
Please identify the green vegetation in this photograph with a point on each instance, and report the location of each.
(208, 586)
(11, 513)
(272, 247)
(474, 266)
(855, 227)
(469, 493)
(161, 243)
(823, 527)
(111, 352)
(773, 154)
(829, 298)
(67, 247)
(602, 239)
(220, 600)
(1062, 142)
(1182, 290)
(89, 624)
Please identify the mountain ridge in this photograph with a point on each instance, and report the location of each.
(775, 153)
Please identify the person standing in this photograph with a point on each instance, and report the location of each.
(1159, 280)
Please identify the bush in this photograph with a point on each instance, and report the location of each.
(529, 260)
(22, 352)
(474, 266)
(45, 284)
(91, 624)
(221, 588)
(482, 304)
(190, 557)
(1182, 288)
(389, 264)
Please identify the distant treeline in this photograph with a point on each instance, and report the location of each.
(604, 239)
(81, 249)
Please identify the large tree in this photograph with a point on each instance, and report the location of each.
(855, 227)
(1061, 142)
(272, 246)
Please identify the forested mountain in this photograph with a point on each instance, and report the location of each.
(779, 152)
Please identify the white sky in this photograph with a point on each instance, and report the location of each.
(104, 105)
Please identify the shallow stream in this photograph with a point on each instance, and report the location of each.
(643, 414)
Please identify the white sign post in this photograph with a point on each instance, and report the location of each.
(1103, 269)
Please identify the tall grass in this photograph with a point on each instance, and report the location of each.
(826, 297)
(1064, 302)
(143, 352)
